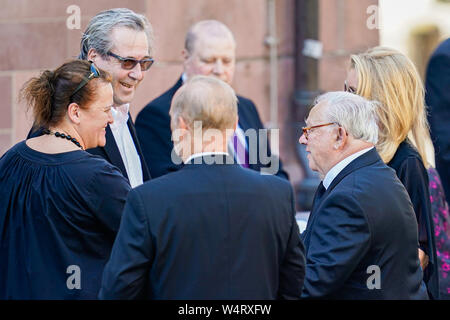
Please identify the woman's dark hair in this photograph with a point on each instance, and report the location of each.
(49, 94)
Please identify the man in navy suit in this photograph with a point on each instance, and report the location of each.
(209, 50)
(119, 41)
(438, 100)
(211, 230)
(361, 237)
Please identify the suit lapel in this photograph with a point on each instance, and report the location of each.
(145, 171)
(113, 153)
(176, 86)
(320, 192)
(364, 160)
(245, 123)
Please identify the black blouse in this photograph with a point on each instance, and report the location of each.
(412, 173)
(59, 214)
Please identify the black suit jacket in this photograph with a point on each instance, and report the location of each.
(207, 232)
(438, 100)
(363, 219)
(110, 152)
(153, 129)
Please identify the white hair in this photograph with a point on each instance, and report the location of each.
(354, 113)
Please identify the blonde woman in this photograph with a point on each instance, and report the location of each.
(388, 76)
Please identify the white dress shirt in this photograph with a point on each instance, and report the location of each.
(125, 143)
(329, 177)
(205, 154)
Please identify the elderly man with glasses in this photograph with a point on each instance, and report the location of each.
(361, 238)
(119, 41)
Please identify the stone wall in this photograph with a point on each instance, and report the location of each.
(34, 36)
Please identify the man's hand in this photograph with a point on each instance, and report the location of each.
(423, 259)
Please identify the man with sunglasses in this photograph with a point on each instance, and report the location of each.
(210, 50)
(119, 41)
(126, 56)
(361, 237)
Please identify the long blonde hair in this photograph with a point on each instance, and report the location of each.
(386, 75)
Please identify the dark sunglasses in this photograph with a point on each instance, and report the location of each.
(130, 63)
(94, 74)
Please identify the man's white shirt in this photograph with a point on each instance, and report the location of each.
(125, 143)
(329, 177)
(204, 154)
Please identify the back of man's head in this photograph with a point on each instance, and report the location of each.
(98, 33)
(205, 99)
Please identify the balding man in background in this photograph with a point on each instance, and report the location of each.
(210, 50)
(212, 230)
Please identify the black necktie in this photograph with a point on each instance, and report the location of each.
(317, 197)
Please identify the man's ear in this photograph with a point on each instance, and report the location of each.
(92, 55)
(74, 113)
(185, 54)
(341, 138)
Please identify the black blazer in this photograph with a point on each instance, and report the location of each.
(153, 130)
(110, 152)
(364, 219)
(207, 232)
(438, 101)
(410, 170)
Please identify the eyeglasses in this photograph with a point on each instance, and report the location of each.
(94, 74)
(307, 129)
(348, 88)
(130, 63)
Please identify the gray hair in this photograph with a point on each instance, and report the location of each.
(356, 114)
(98, 32)
(206, 99)
(212, 27)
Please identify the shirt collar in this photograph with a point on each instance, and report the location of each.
(204, 154)
(184, 77)
(329, 177)
(120, 114)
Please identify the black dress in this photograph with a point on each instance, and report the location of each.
(410, 170)
(59, 215)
